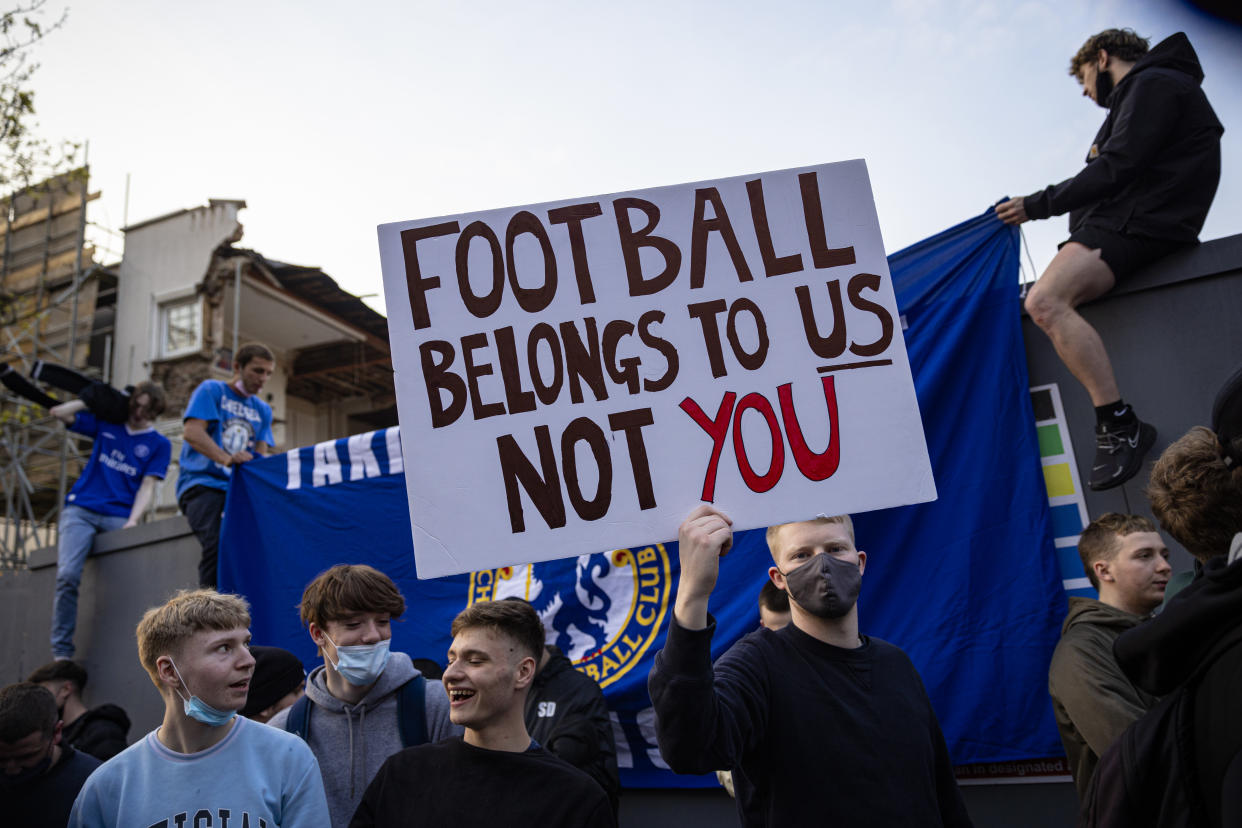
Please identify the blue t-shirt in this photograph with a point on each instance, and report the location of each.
(234, 422)
(256, 775)
(119, 460)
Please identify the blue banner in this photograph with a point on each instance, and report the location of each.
(967, 585)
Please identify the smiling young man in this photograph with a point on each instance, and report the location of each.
(1092, 699)
(365, 702)
(495, 774)
(205, 765)
(826, 726)
(1150, 177)
(39, 774)
(114, 491)
(226, 423)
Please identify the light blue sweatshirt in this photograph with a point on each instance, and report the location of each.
(255, 777)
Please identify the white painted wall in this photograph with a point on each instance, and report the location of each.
(163, 259)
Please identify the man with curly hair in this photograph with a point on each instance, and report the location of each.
(1150, 176)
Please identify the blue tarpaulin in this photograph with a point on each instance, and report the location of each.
(967, 585)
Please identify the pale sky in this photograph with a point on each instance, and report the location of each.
(330, 119)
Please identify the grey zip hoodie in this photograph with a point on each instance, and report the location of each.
(352, 741)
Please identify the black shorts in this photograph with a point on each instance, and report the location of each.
(1123, 253)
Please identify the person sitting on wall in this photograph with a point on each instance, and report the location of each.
(101, 731)
(114, 491)
(1150, 176)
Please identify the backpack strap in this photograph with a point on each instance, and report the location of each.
(411, 712)
(298, 721)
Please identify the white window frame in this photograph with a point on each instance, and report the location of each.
(193, 301)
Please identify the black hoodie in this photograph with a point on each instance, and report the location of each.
(566, 714)
(1154, 165)
(1203, 620)
(101, 731)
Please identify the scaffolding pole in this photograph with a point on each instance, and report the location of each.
(36, 451)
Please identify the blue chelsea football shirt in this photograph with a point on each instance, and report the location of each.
(234, 422)
(120, 458)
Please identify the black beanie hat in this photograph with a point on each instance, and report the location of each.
(277, 673)
(1227, 418)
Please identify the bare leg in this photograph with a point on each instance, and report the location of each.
(1075, 275)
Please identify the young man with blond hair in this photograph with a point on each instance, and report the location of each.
(1093, 701)
(826, 726)
(494, 774)
(364, 703)
(1150, 177)
(205, 765)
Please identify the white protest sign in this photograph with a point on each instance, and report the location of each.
(573, 377)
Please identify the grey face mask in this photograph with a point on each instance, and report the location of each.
(825, 586)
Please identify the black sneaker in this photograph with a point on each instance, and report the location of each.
(1119, 453)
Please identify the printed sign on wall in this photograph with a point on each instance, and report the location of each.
(574, 377)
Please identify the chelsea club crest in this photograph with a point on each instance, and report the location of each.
(602, 610)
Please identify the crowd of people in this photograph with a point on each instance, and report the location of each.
(1144, 683)
(364, 740)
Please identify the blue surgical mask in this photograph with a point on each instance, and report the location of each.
(360, 664)
(198, 709)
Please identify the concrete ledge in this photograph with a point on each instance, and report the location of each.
(1211, 258)
(144, 534)
(128, 571)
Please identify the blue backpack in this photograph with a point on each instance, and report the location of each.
(411, 714)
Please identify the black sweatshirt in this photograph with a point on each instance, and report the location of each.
(451, 783)
(821, 735)
(1202, 622)
(566, 713)
(100, 731)
(46, 800)
(1154, 165)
